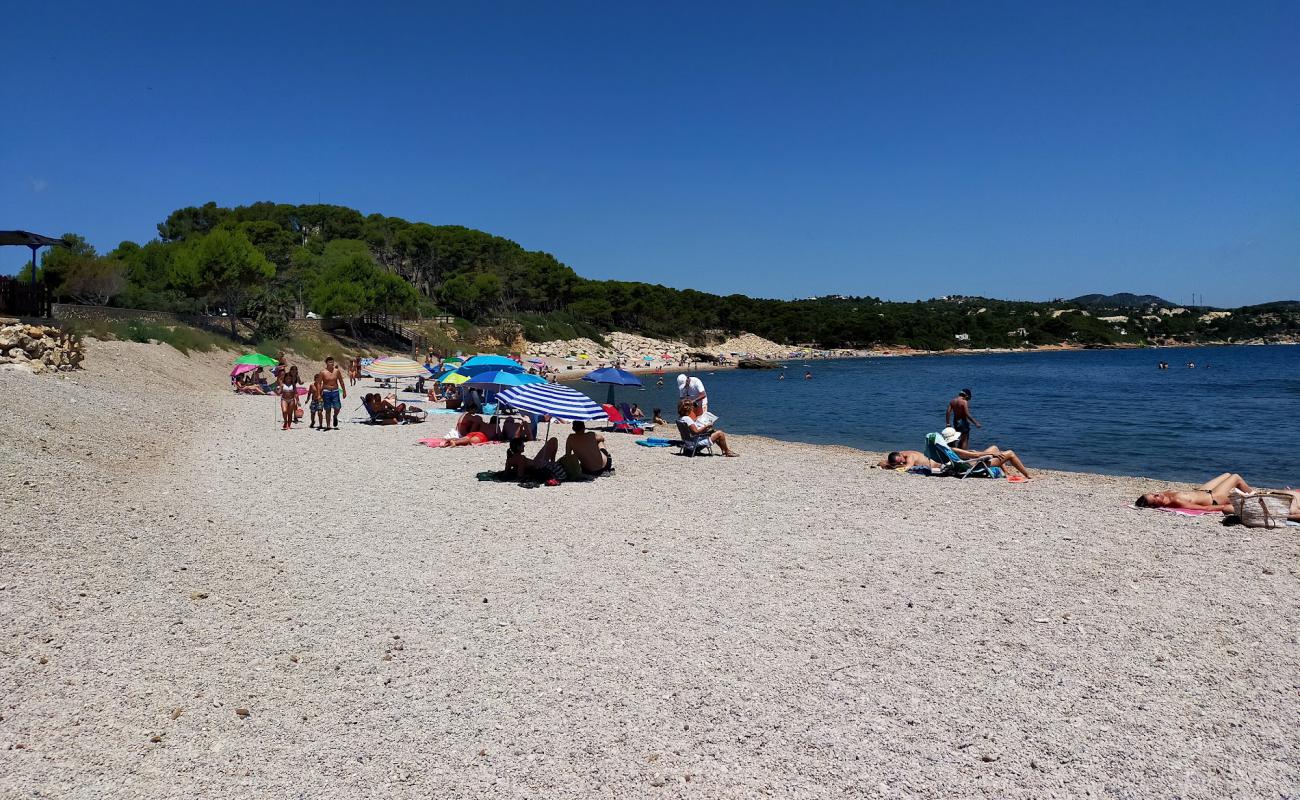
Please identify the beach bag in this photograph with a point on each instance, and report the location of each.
(1262, 509)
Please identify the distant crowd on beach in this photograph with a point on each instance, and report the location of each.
(948, 451)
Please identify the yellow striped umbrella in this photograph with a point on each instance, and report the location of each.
(395, 367)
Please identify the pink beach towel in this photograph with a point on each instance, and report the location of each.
(434, 442)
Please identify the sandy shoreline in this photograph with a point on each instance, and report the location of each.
(789, 623)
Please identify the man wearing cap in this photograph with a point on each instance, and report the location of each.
(958, 416)
(692, 388)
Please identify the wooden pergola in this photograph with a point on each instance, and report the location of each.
(33, 240)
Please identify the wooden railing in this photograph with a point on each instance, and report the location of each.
(393, 326)
(21, 299)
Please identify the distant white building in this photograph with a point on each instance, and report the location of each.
(962, 337)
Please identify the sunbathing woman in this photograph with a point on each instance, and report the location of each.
(288, 391)
(1214, 495)
(999, 457)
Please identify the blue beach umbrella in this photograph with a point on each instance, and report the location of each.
(614, 377)
(497, 377)
(487, 363)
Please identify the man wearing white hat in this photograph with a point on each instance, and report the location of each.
(691, 388)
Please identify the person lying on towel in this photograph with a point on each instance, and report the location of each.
(1213, 495)
(906, 459)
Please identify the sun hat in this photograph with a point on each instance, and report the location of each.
(950, 435)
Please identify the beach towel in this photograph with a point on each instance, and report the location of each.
(436, 442)
(1182, 512)
(654, 442)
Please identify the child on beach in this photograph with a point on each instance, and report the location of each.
(657, 418)
(289, 384)
(314, 401)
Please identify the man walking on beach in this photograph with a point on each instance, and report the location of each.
(958, 416)
(331, 384)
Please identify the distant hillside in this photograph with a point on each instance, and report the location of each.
(1122, 300)
(268, 262)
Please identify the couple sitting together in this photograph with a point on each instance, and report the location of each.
(584, 454)
(997, 457)
(471, 429)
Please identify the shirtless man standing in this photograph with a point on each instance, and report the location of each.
(331, 385)
(958, 416)
(587, 447)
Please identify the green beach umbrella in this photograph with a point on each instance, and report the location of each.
(257, 360)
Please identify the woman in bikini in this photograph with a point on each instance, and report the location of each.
(289, 383)
(1214, 495)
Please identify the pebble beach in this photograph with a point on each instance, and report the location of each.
(196, 604)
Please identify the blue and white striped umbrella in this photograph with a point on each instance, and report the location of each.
(559, 402)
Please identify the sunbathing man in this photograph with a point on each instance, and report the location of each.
(331, 379)
(905, 459)
(537, 468)
(1000, 457)
(586, 446)
(1214, 495)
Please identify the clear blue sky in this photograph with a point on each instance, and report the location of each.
(900, 149)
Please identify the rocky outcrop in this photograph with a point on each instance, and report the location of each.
(40, 348)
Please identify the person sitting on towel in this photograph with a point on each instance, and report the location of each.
(587, 448)
(538, 467)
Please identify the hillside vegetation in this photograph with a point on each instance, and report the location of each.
(267, 262)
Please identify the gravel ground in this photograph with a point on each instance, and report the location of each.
(789, 623)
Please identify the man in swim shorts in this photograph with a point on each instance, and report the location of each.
(333, 390)
(958, 416)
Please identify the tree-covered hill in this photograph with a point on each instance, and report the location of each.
(271, 261)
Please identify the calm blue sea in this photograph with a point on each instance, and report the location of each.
(1106, 411)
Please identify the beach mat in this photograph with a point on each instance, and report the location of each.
(436, 442)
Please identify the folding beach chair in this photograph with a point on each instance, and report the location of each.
(693, 443)
(936, 449)
(618, 422)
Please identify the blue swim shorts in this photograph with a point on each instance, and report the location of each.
(961, 425)
(330, 400)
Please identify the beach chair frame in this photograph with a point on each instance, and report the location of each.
(953, 465)
(693, 443)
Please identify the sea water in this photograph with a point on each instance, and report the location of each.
(1105, 411)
